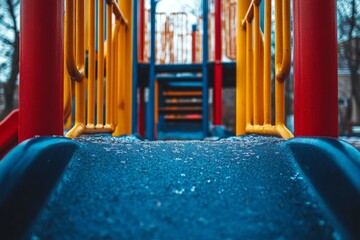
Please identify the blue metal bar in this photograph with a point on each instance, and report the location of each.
(161, 105)
(205, 52)
(262, 14)
(105, 22)
(134, 113)
(175, 78)
(150, 105)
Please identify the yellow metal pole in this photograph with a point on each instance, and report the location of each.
(279, 85)
(282, 60)
(100, 67)
(122, 89)
(80, 58)
(79, 126)
(67, 83)
(284, 63)
(120, 123)
(256, 66)
(115, 74)
(261, 78)
(91, 69)
(127, 8)
(241, 50)
(108, 65)
(75, 71)
(249, 75)
(267, 64)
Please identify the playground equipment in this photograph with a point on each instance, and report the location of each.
(118, 113)
(113, 77)
(255, 58)
(174, 43)
(132, 188)
(94, 63)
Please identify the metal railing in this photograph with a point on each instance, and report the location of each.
(229, 28)
(228, 22)
(104, 83)
(173, 35)
(173, 38)
(254, 71)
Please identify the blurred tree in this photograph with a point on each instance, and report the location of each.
(349, 42)
(9, 51)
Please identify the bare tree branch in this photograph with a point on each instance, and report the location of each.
(9, 49)
(6, 41)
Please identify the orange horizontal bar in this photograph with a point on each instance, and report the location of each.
(180, 109)
(183, 117)
(182, 94)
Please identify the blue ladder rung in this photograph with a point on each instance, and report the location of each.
(178, 78)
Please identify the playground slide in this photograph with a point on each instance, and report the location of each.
(28, 174)
(241, 188)
(203, 189)
(9, 133)
(333, 168)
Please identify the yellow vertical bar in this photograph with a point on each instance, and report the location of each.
(108, 64)
(80, 62)
(241, 87)
(256, 61)
(87, 25)
(100, 67)
(115, 73)
(67, 125)
(120, 122)
(249, 74)
(261, 79)
(123, 77)
(91, 68)
(279, 85)
(267, 63)
(126, 6)
(123, 89)
(67, 83)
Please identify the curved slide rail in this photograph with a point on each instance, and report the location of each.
(27, 177)
(333, 168)
(9, 132)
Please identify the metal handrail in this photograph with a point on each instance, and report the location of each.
(119, 15)
(90, 114)
(257, 58)
(283, 64)
(76, 72)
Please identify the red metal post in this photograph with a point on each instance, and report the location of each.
(193, 44)
(9, 132)
(41, 68)
(315, 68)
(141, 113)
(217, 96)
(141, 29)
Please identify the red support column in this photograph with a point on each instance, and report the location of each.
(141, 29)
(315, 68)
(41, 68)
(217, 96)
(193, 44)
(141, 108)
